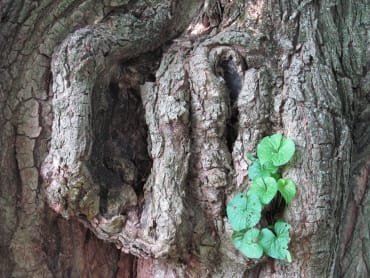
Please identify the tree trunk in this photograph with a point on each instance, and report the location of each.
(126, 124)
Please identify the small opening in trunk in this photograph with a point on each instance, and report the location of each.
(233, 83)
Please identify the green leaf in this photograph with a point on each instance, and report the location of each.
(251, 157)
(253, 212)
(249, 244)
(287, 189)
(278, 250)
(275, 149)
(244, 211)
(235, 212)
(282, 231)
(264, 188)
(266, 238)
(257, 170)
(237, 238)
(276, 246)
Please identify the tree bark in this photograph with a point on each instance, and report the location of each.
(126, 124)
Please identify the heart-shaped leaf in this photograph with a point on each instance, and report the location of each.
(236, 212)
(275, 149)
(276, 246)
(244, 211)
(257, 170)
(251, 157)
(279, 250)
(266, 238)
(282, 231)
(287, 189)
(248, 244)
(264, 188)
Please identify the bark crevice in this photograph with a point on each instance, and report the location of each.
(156, 184)
(97, 165)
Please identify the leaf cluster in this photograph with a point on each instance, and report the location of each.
(244, 210)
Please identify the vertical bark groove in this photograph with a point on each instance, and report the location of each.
(143, 138)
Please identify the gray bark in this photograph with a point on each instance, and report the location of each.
(126, 126)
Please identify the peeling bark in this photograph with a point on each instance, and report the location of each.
(126, 126)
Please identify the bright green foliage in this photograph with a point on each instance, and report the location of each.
(266, 238)
(248, 243)
(244, 210)
(251, 157)
(282, 229)
(287, 189)
(276, 149)
(276, 246)
(258, 170)
(264, 188)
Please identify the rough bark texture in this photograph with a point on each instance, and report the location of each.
(125, 128)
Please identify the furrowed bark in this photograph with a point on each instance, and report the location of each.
(71, 188)
(132, 121)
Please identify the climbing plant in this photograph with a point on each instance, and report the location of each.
(245, 209)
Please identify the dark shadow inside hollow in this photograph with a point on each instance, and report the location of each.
(123, 163)
(273, 211)
(120, 161)
(233, 83)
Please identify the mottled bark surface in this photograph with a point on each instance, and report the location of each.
(125, 128)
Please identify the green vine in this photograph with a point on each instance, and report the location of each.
(245, 209)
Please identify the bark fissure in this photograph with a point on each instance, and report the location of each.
(233, 83)
(143, 135)
(71, 188)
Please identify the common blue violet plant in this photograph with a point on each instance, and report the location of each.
(245, 209)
